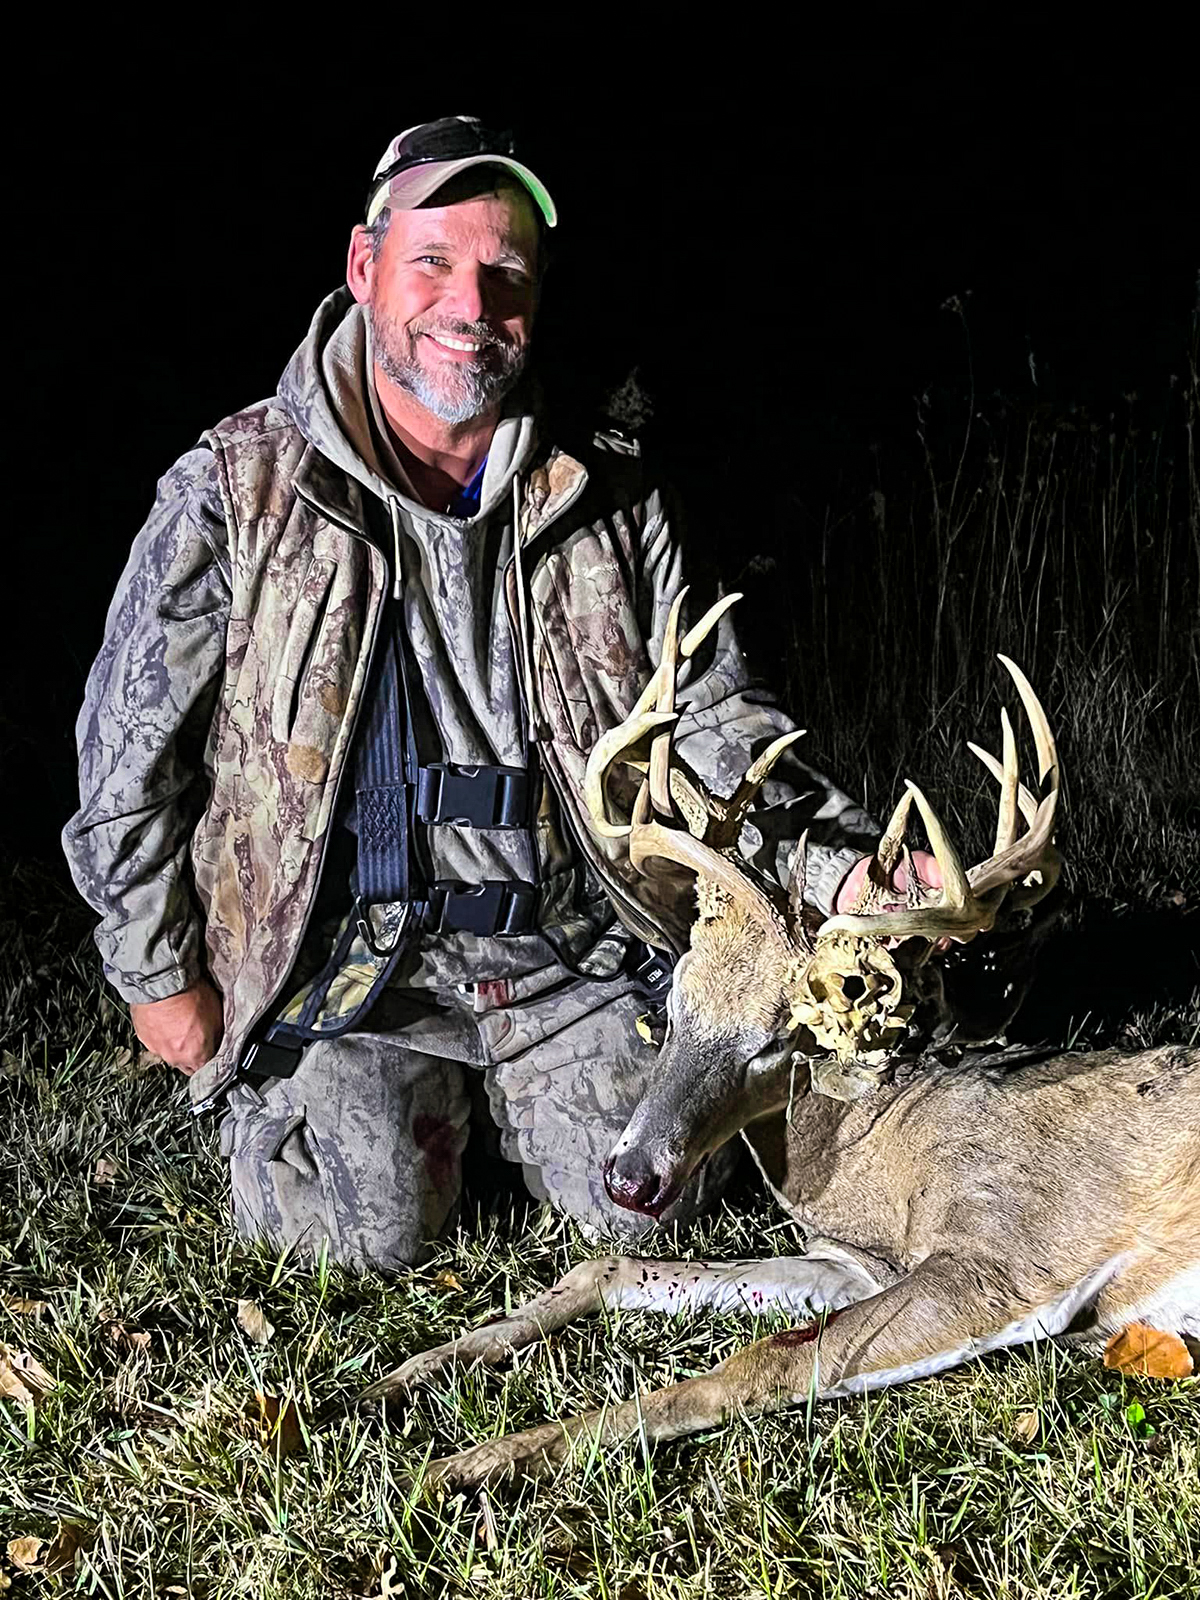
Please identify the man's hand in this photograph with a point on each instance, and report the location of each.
(929, 875)
(184, 1030)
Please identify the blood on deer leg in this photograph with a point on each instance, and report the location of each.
(947, 1311)
(802, 1285)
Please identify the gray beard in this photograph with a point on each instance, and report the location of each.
(459, 391)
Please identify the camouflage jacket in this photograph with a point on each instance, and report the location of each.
(220, 713)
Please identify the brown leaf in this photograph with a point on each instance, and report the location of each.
(485, 1528)
(276, 1423)
(22, 1378)
(1148, 1353)
(253, 1322)
(10, 1064)
(1026, 1427)
(68, 1542)
(126, 1338)
(105, 1173)
(448, 1280)
(26, 1553)
(20, 1307)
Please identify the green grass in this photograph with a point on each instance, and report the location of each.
(925, 1491)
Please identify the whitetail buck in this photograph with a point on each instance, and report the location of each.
(953, 1202)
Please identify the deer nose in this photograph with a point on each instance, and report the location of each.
(634, 1185)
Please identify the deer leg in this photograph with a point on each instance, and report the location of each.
(947, 1311)
(800, 1284)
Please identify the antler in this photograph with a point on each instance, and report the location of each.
(707, 843)
(969, 901)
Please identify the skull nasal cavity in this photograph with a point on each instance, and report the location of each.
(853, 987)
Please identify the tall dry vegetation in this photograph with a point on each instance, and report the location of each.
(1068, 541)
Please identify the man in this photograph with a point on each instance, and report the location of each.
(332, 749)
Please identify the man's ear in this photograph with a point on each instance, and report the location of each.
(360, 264)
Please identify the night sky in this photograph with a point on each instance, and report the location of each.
(773, 259)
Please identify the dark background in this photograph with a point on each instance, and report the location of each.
(773, 257)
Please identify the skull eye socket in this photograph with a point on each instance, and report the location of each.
(853, 987)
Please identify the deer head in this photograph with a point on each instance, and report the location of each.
(767, 986)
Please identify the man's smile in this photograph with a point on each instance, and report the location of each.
(455, 347)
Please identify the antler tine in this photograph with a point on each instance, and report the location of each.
(1042, 737)
(960, 912)
(665, 683)
(695, 636)
(729, 825)
(660, 750)
(651, 839)
(797, 883)
(955, 892)
(615, 745)
(1025, 800)
(1019, 858)
(1006, 821)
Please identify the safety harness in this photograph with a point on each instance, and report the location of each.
(394, 902)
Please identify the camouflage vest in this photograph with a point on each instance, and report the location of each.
(308, 588)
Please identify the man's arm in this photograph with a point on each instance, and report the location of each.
(729, 718)
(142, 737)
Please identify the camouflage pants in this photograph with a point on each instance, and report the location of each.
(362, 1149)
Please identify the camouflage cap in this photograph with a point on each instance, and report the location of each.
(419, 160)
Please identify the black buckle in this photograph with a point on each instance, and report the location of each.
(266, 1058)
(496, 907)
(473, 797)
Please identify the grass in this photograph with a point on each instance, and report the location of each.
(930, 1491)
(925, 1491)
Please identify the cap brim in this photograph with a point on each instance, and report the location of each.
(407, 190)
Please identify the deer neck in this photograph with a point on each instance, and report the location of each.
(816, 1155)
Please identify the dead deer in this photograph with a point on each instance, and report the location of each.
(952, 1203)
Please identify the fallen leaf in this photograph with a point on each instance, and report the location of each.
(253, 1322)
(485, 1527)
(20, 1307)
(277, 1423)
(448, 1280)
(106, 1173)
(1026, 1427)
(388, 1589)
(126, 1338)
(26, 1553)
(1148, 1353)
(68, 1542)
(10, 1064)
(22, 1378)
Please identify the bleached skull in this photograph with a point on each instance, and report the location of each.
(850, 996)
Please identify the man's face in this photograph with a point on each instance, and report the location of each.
(452, 301)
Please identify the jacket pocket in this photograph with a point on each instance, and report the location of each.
(308, 622)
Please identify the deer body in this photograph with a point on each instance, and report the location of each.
(970, 1208)
(954, 1207)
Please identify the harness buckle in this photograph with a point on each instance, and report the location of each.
(494, 907)
(475, 797)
